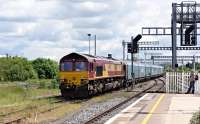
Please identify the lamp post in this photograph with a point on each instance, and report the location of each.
(123, 45)
(95, 45)
(89, 36)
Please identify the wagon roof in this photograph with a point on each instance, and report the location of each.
(143, 64)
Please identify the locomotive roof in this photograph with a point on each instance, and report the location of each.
(92, 58)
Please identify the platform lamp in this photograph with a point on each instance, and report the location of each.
(89, 36)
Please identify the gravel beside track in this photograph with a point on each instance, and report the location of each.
(85, 114)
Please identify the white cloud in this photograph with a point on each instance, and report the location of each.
(46, 50)
(25, 10)
(52, 28)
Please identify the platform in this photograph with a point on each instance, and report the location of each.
(155, 108)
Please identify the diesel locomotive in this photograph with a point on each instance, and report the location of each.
(83, 75)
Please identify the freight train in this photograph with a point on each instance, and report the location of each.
(83, 75)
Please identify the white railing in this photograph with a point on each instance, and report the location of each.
(179, 82)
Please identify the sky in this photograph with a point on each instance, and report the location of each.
(54, 28)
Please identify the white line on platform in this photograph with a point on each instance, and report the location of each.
(118, 115)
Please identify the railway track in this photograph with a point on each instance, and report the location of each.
(159, 89)
(97, 117)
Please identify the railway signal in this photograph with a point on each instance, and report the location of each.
(133, 45)
(129, 47)
(190, 39)
(188, 65)
(133, 48)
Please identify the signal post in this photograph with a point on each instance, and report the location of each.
(133, 48)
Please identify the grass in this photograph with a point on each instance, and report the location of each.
(12, 95)
(28, 109)
(16, 96)
(43, 92)
(60, 112)
(43, 83)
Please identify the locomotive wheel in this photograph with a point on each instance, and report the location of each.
(90, 92)
(100, 88)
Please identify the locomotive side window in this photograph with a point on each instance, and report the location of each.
(99, 71)
(66, 66)
(80, 66)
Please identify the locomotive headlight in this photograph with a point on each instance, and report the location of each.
(62, 80)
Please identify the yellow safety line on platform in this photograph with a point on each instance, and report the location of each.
(146, 119)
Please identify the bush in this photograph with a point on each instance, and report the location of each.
(195, 118)
(54, 84)
(16, 69)
(45, 68)
(167, 68)
(20, 69)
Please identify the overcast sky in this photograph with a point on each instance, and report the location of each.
(53, 28)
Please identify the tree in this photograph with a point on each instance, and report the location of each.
(16, 69)
(45, 68)
(167, 68)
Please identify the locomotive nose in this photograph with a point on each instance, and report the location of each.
(73, 78)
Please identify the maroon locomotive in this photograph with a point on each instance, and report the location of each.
(82, 75)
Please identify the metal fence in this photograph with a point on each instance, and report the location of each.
(179, 82)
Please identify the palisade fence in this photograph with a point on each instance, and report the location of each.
(179, 82)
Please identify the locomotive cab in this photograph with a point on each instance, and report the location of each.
(73, 70)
